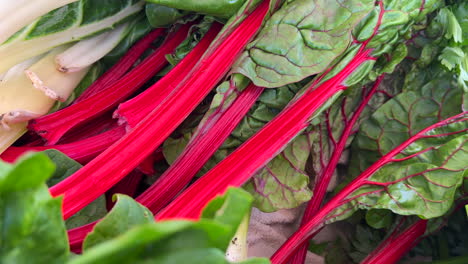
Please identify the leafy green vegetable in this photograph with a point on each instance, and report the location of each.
(301, 39)
(204, 241)
(162, 16)
(124, 215)
(33, 228)
(30, 220)
(219, 8)
(283, 183)
(64, 166)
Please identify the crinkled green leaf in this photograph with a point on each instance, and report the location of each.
(283, 182)
(301, 39)
(125, 214)
(30, 219)
(424, 184)
(404, 116)
(219, 8)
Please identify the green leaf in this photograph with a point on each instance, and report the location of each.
(454, 30)
(125, 214)
(378, 218)
(204, 241)
(64, 166)
(402, 117)
(301, 39)
(229, 209)
(218, 8)
(92, 212)
(451, 57)
(30, 219)
(283, 183)
(162, 16)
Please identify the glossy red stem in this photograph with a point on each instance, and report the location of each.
(201, 147)
(120, 67)
(53, 126)
(122, 157)
(136, 109)
(397, 244)
(305, 232)
(323, 180)
(255, 153)
(82, 151)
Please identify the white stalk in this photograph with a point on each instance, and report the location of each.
(10, 135)
(19, 50)
(18, 14)
(27, 96)
(87, 52)
(19, 69)
(237, 249)
(53, 83)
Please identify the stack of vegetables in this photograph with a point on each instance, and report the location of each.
(152, 128)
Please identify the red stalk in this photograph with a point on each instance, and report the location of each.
(201, 147)
(397, 244)
(323, 180)
(304, 233)
(121, 67)
(52, 127)
(89, 129)
(123, 156)
(238, 167)
(137, 108)
(77, 235)
(82, 151)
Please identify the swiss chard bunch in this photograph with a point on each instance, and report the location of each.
(356, 107)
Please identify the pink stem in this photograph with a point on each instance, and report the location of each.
(304, 233)
(323, 180)
(121, 67)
